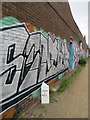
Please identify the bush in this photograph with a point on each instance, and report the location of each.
(82, 61)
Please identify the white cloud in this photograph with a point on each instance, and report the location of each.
(80, 14)
(83, 25)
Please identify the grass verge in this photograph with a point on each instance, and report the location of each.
(67, 81)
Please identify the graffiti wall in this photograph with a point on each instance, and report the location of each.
(83, 52)
(74, 54)
(28, 59)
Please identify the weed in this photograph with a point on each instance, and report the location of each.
(40, 115)
(43, 106)
(67, 81)
(82, 61)
(43, 111)
(53, 100)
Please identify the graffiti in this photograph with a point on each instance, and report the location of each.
(74, 54)
(83, 53)
(8, 21)
(28, 59)
(81, 49)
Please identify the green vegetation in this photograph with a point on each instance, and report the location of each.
(82, 61)
(43, 111)
(43, 106)
(67, 81)
(53, 100)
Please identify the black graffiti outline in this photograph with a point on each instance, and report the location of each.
(24, 53)
(11, 58)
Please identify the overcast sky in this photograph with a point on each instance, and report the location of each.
(79, 10)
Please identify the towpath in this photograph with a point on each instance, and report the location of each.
(73, 103)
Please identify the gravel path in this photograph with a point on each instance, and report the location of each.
(73, 103)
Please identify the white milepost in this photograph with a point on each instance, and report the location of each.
(44, 93)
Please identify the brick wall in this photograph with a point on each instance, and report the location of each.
(55, 18)
(52, 17)
(27, 59)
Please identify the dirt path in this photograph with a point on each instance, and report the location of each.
(73, 103)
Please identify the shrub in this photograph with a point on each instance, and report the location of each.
(82, 61)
